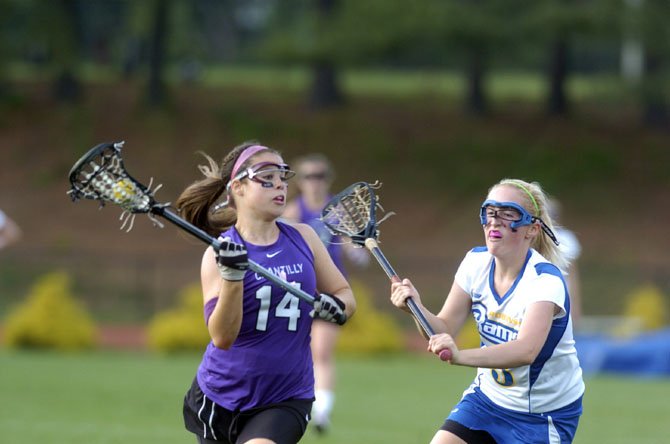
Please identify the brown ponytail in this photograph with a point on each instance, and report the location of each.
(195, 203)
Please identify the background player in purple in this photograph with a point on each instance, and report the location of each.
(315, 174)
(255, 383)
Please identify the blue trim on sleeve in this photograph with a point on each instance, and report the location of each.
(549, 268)
(558, 326)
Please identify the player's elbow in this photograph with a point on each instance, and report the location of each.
(350, 308)
(224, 332)
(222, 342)
(527, 354)
(526, 359)
(222, 339)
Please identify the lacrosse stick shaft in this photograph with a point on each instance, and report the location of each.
(372, 245)
(100, 175)
(255, 267)
(352, 213)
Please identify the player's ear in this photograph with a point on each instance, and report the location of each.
(533, 231)
(236, 187)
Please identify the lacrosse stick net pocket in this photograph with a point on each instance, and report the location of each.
(100, 175)
(352, 213)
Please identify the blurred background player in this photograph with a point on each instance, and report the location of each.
(571, 249)
(315, 174)
(9, 231)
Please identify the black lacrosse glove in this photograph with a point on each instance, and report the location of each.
(329, 308)
(232, 260)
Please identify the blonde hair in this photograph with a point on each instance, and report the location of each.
(196, 201)
(536, 202)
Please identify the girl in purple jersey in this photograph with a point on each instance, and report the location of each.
(315, 174)
(255, 383)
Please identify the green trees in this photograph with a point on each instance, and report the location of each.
(555, 38)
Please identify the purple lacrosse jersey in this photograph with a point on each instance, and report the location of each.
(313, 219)
(270, 361)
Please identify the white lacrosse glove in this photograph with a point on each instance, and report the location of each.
(329, 308)
(232, 260)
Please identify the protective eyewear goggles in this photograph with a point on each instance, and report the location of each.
(266, 173)
(514, 213)
(509, 211)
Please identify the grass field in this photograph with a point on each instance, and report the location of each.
(108, 398)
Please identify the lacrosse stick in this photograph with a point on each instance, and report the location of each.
(353, 213)
(100, 175)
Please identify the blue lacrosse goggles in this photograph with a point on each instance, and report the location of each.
(509, 211)
(514, 213)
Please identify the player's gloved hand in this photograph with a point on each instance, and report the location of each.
(232, 260)
(329, 308)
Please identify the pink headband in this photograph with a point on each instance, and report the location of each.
(246, 154)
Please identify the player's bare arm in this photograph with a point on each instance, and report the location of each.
(523, 350)
(329, 278)
(401, 291)
(455, 311)
(226, 319)
(449, 320)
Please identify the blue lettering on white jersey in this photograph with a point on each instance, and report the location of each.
(554, 379)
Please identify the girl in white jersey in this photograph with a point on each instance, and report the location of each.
(529, 386)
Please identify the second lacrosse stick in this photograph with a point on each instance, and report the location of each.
(353, 213)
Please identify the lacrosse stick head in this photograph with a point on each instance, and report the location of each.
(100, 175)
(353, 213)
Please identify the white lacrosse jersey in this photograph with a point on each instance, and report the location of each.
(554, 380)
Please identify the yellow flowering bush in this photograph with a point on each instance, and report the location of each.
(647, 304)
(182, 328)
(50, 318)
(369, 330)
